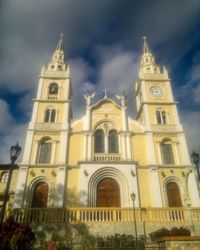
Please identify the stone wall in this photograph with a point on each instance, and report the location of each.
(180, 243)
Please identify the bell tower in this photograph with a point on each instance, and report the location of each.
(47, 137)
(157, 113)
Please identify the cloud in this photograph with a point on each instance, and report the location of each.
(10, 132)
(191, 121)
(6, 122)
(102, 40)
(117, 72)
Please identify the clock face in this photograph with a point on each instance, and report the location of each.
(156, 91)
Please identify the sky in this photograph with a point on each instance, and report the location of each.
(103, 45)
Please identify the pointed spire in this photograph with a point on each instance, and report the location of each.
(60, 45)
(58, 62)
(147, 63)
(145, 46)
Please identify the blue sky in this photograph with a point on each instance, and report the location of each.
(103, 44)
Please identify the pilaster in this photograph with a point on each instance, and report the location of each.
(155, 187)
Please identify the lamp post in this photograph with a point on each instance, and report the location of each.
(195, 158)
(14, 154)
(133, 196)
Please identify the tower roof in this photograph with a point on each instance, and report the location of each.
(145, 46)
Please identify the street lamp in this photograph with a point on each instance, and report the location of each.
(133, 196)
(195, 158)
(14, 154)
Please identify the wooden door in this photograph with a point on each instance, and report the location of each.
(108, 193)
(40, 195)
(173, 194)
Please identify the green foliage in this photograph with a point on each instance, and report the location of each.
(79, 238)
(166, 232)
(16, 236)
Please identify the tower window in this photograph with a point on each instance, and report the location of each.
(167, 153)
(158, 117)
(50, 115)
(44, 151)
(161, 117)
(113, 141)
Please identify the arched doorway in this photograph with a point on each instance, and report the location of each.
(108, 193)
(40, 195)
(173, 195)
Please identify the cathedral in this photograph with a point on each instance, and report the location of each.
(106, 159)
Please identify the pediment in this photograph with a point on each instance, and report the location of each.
(106, 106)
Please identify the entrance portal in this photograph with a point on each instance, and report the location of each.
(40, 195)
(173, 194)
(108, 193)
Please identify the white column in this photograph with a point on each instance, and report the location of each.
(193, 190)
(88, 119)
(159, 152)
(28, 146)
(106, 142)
(128, 146)
(146, 117)
(63, 146)
(53, 152)
(39, 92)
(150, 148)
(35, 153)
(124, 156)
(124, 119)
(66, 115)
(155, 188)
(85, 142)
(90, 147)
(20, 187)
(185, 154)
(144, 96)
(34, 115)
(177, 160)
(60, 187)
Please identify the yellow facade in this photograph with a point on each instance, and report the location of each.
(79, 160)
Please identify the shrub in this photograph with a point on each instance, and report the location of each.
(16, 236)
(166, 232)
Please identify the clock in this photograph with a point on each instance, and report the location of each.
(156, 91)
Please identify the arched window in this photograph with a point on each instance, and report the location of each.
(53, 88)
(158, 117)
(99, 141)
(113, 141)
(47, 115)
(173, 194)
(40, 195)
(164, 117)
(167, 153)
(44, 151)
(4, 177)
(53, 115)
(50, 115)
